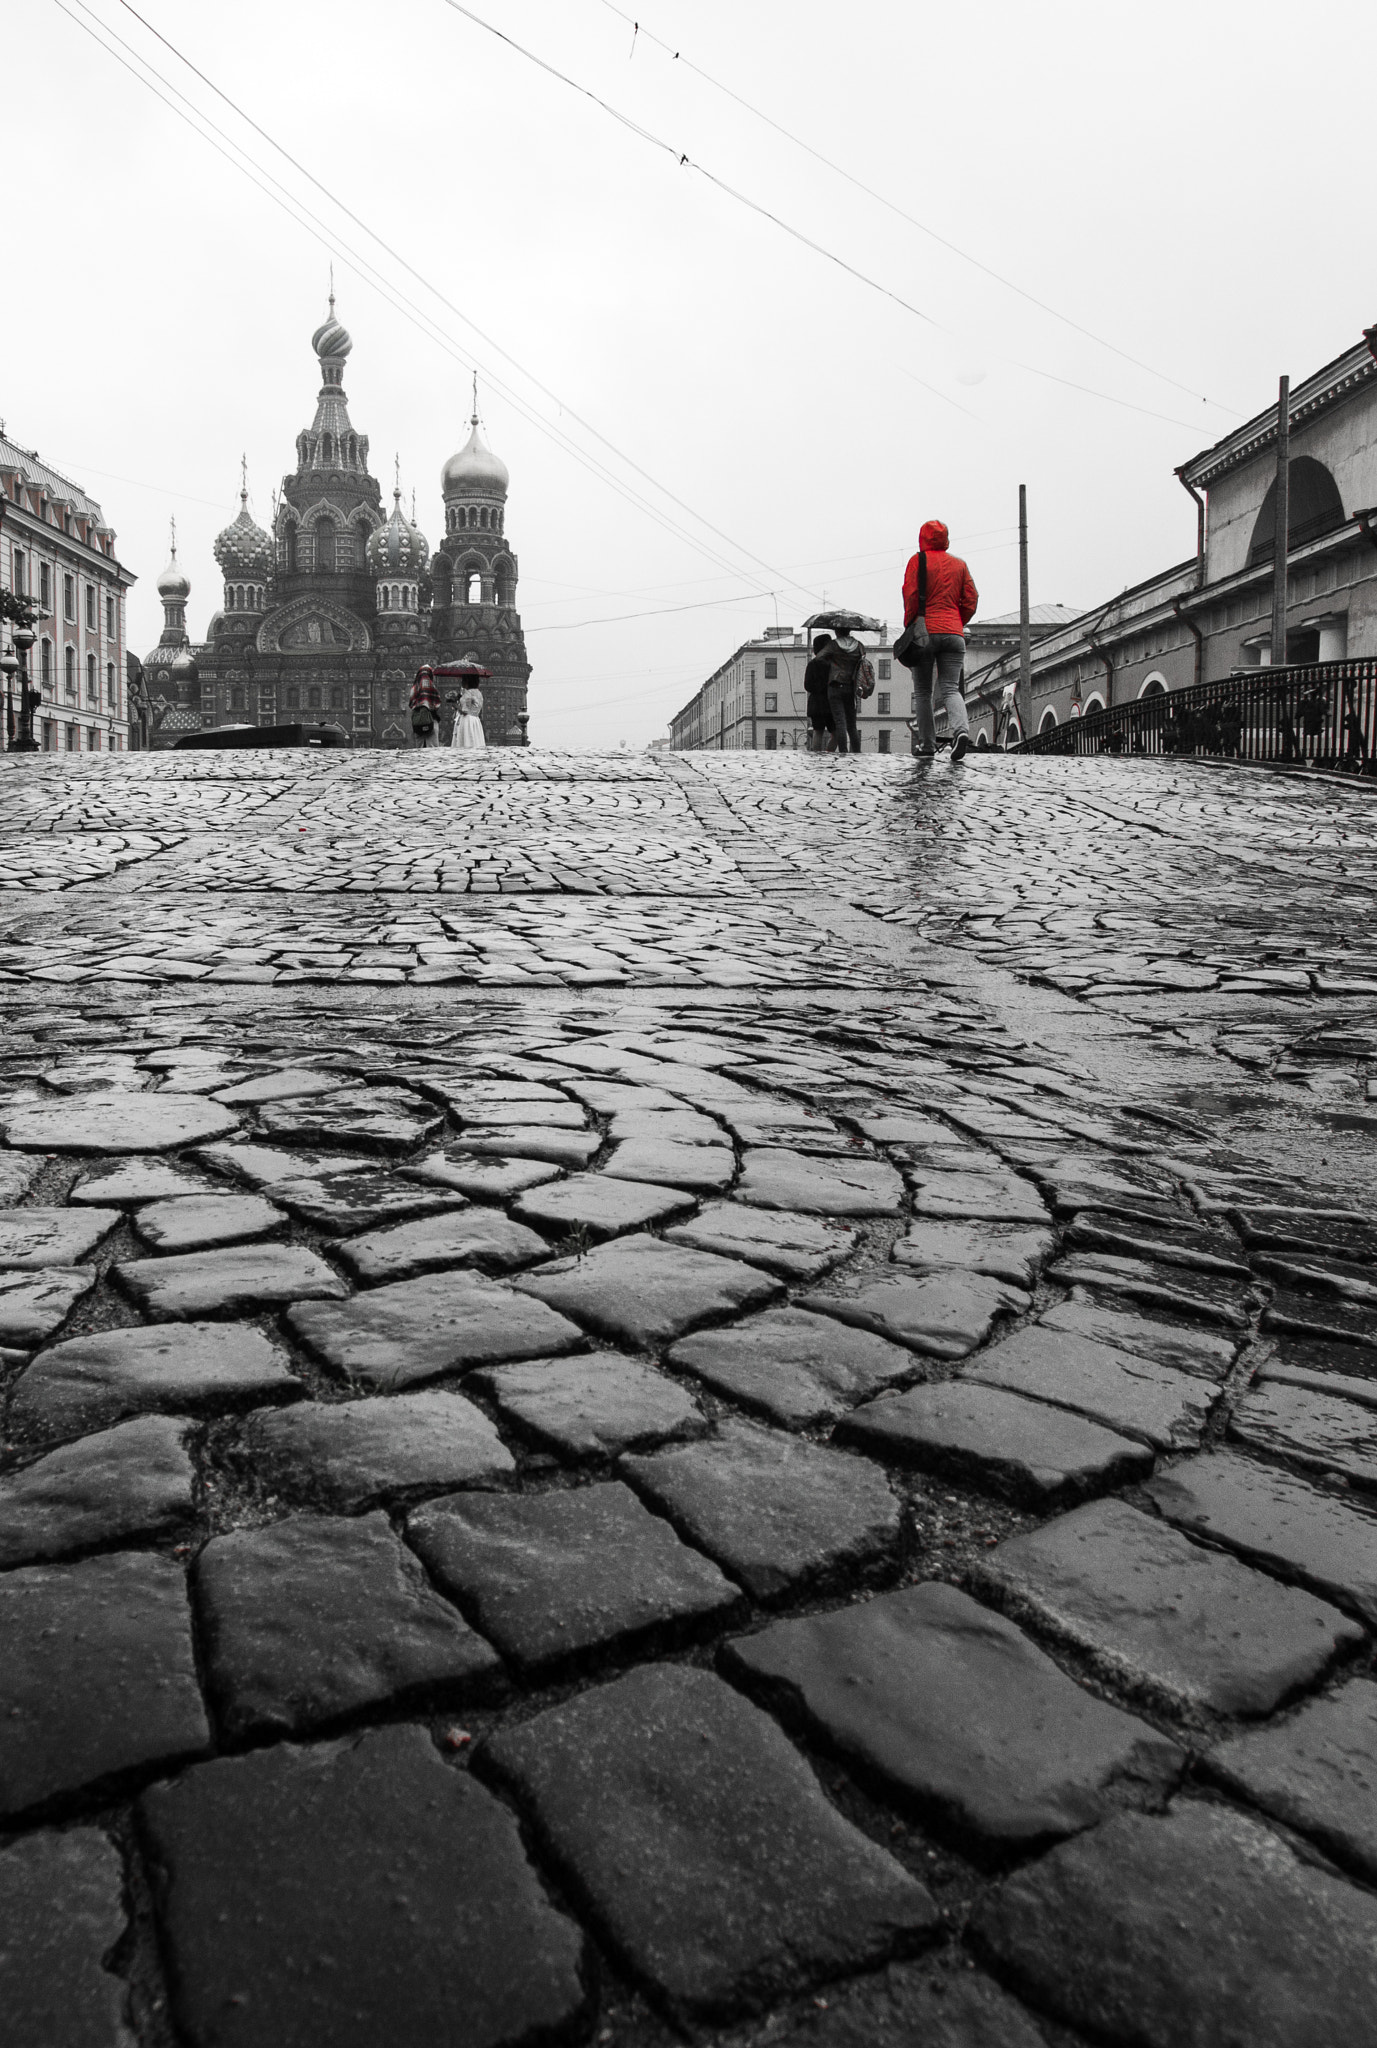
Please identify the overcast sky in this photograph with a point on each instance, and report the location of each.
(1157, 176)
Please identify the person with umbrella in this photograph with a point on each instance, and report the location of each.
(468, 718)
(850, 673)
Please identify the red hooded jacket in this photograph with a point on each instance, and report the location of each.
(952, 596)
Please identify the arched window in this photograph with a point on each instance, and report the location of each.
(1049, 720)
(327, 449)
(387, 599)
(1313, 507)
(289, 551)
(1094, 702)
(69, 670)
(1155, 686)
(111, 696)
(293, 698)
(45, 661)
(982, 739)
(483, 516)
(474, 587)
(353, 449)
(237, 697)
(325, 547)
(337, 700)
(92, 687)
(497, 519)
(313, 700)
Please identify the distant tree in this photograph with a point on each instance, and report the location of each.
(17, 610)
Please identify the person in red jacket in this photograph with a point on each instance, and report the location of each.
(948, 607)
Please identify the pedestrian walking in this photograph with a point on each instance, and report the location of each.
(849, 674)
(468, 726)
(425, 709)
(816, 677)
(939, 602)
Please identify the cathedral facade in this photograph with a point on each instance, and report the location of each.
(326, 620)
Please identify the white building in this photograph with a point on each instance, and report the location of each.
(756, 700)
(57, 551)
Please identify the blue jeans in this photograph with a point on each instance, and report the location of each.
(841, 702)
(939, 673)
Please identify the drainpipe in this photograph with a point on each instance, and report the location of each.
(1196, 634)
(1199, 529)
(1107, 658)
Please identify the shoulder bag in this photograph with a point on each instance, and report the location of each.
(912, 643)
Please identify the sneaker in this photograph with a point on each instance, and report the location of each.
(960, 746)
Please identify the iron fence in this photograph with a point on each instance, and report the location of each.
(1323, 715)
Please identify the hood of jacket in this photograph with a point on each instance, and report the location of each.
(932, 537)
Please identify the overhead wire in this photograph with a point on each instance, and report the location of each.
(301, 214)
(882, 199)
(489, 340)
(686, 162)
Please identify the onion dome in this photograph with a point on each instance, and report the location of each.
(475, 469)
(173, 586)
(332, 341)
(399, 548)
(185, 670)
(243, 550)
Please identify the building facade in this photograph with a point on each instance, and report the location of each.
(757, 699)
(58, 553)
(1211, 616)
(327, 619)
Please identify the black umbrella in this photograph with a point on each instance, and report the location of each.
(842, 622)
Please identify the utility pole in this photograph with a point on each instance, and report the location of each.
(1281, 525)
(1025, 638)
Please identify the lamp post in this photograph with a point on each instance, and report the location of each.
(24, 741)
(9, 668)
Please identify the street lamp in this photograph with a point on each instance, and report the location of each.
(24, 741)
(9, 668)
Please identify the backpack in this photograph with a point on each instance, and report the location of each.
(422, 719)
(865, 678)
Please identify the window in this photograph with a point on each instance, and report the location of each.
(92, 687)
(90, 607)
(883, 738)
(325, 547)
(93, 739)
(49, 737)
(110, 617)
(69, 599)
(882, 703)
(337, 700)
(771, 738)
(293, 699)
(772, 669)
(771, 700)
(45, 586)
(69, 672)
(111, 694)
(313, 700)
(17, 577)
(45, 663)
(237, 697)
(882, 669)
(73, 739)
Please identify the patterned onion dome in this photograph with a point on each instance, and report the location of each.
(475, 468)
(172, 584)
(399, 548)
(243, 549)
(331, 341)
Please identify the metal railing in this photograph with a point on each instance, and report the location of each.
(1323, 715)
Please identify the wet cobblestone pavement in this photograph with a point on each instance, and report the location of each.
(716, 1398)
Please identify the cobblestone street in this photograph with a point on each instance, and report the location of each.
(700, 1397)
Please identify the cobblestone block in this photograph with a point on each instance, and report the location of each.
(593, 1406)
(270, 1869)
(601, 1204)
(347, 1202)
(703, 1844)
(353, 1454)
(953, 1710)
(117, 1122)
(1201, 1297)
(1032, 1451)
(1167, 1343)
(238, 1279)
(61, 1913)
(369, 1119)
(99, 1679)
(552, 1576)
(943, 1316)
(1318, 1431)
(1188, 1625)
(1007, 1251)
(1315, 1771)
(795, 1367)
(1106, 1933)
(978, 1197)
(1157, 1404)
(911, 2003)
(32, 1240)
(572, 1149)
(795, 1247)
(121, 1484)
(285, 1084)
(415, 1330)
(697, 1169)
(135, 1182)
(192, 1223)
(645, 1292)
(775, 1512)
(784, 1178)
(472, 1236)
(319, 1617)
(265, 1166)
(33, 1305)
(483, 1180)
(90, 1382)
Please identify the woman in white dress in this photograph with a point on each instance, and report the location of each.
(468, 726)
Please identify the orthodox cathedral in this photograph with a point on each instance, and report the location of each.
(326, 620)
